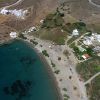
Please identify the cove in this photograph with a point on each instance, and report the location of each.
(23, 76)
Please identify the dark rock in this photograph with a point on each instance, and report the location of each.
(6, 90)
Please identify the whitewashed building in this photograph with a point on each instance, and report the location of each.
(90, 39)
(75, 32)
(13, 34)
(18, 13)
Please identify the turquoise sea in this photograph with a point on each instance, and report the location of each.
(23, 76)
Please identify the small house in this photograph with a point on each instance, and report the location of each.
(75, 32)
(13, 34)
(85, 56)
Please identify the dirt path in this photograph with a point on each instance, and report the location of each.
(94, 4)
(88, 81)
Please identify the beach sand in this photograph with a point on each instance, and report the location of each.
(48, 68)
(75, 88)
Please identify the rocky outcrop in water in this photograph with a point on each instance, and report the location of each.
(18, 89)
(27, 60)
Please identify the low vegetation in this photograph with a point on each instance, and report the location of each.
(44, 52)
(94, 89)
(66, 53)
(21, 36)
(80, 26)
(69, 27)
(66, 97)
(53, 20)
(57, 71)
(64, 89)
(34, 42)
(54, 35)
(51, 29)
(53, 65)
(88, 68)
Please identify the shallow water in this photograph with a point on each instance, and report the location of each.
(22, 74)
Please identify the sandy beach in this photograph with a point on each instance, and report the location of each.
(48, 68)
(75, 89)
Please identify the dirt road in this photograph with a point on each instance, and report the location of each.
(94, 4)
(88, 81)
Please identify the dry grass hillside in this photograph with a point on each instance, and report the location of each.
(74, 10)
(82, 10)
(39, 9)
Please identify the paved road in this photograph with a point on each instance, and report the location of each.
(94, 4)
(92, 78)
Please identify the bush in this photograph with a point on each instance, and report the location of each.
(34, 42)
(90, 51)
(53, 65)
(64, 89)
(57, 71)
(44, 52)
(88, 68)
(69, 27)
(22, 36)
(66, 96)
(53, 20)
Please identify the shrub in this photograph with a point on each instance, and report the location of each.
(57, 71)
(64, 89)
(22, 36)
(44, 52)
(34, 42)
(53, 65)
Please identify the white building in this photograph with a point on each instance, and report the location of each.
(13, 34)
(89, 39)
(18, 13)
(75, 32)
(32, 29)
(41, 21)
(87, 42)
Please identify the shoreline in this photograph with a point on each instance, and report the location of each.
(51, 74)
(44, 61)
(63, 66)
(48, 68)
(7, 42)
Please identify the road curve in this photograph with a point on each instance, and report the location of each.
(94, 4)
(92, 78)
(14, 4)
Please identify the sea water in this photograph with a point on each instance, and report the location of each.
(23, 76)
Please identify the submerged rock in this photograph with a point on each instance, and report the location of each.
(6, 90)
(27, 60)
(18, 89)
